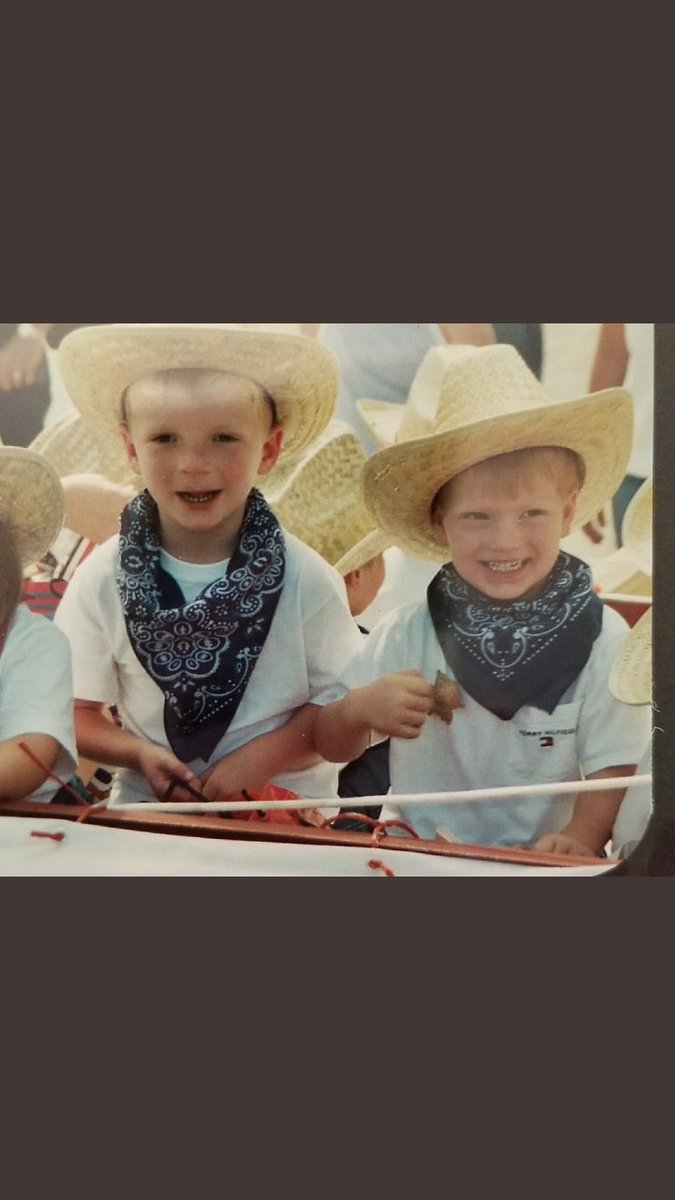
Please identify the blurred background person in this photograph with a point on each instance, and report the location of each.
(625, 358)
(32, 395)
(380, 361)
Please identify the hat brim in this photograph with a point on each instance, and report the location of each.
(382, 419)
(630, 679)
(31, 502)
(99, 363)
(402, 481)
(368, 548)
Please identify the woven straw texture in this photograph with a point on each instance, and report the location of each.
(73, 448)
(31, 502)
(473, 404)
(320, 500)
(98, 364)
(630, 679)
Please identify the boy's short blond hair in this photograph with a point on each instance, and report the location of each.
(190, 378)
(564, 467)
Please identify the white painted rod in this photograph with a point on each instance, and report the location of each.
(575, 786)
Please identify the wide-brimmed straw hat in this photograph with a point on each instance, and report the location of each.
(31, 502)
(631, 676)
(98, 364)
(319, 498)
(468, 405)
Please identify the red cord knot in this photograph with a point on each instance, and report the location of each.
(376, 865)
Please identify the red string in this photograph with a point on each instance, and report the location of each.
(34, 758)
(379, 828)
(52, 837)
(376, 865)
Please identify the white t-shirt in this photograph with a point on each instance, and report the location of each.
(588, 732)
(406, 582)
(312, 638)
(36, 692)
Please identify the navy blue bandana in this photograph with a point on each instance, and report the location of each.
(507, 654)
(202, 655)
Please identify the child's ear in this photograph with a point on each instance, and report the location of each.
(569, 513)
(438, 526)
(271, 451)
(130, 448)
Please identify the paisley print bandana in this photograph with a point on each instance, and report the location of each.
(507, 654)
(202, 655)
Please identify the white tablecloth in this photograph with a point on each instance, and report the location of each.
(97, 851)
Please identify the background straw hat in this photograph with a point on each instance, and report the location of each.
(98, 364)
(630, 679)
(388, 423)
(472, 404)
(631, 676)
(31, 502)
(74, 448)
(319, 498)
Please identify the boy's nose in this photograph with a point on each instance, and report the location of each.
(193, 459)
(506, 535)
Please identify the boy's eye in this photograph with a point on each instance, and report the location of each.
(224, 437)
(163, 438)
(476, 516)
(534, 512)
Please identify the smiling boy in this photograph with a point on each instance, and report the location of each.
(214, 632)
(493, 478)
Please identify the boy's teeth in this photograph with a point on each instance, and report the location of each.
(202, 499)
(505, 568)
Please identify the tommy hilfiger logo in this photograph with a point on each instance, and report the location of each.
(547, 739)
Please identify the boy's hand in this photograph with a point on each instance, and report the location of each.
(397, 706)
(162, 768)
(243, 769)
(560, 843)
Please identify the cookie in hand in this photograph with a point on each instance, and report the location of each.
(447, 698)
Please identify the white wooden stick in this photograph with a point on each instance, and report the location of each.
(191, 808)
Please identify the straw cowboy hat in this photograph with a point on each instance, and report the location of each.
(468, 405)
(631, 676)
(73, 448)
(31, 502)
(99, 363)
(98, 479)
(319, 498)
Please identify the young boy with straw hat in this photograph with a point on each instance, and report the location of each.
(36, 691)
(500, 677)
(214, 633)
